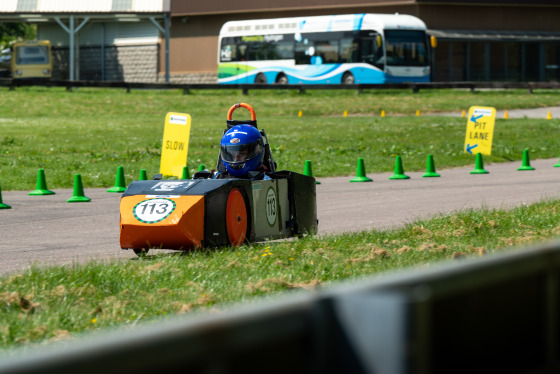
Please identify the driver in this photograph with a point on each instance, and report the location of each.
(242, 151)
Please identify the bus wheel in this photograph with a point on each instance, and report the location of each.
(260, 79)
(281, 79)
(347, 78)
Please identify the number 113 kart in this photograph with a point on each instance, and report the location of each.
(204, 212)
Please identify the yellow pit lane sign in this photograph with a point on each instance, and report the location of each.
(480, 130)
(175, 146)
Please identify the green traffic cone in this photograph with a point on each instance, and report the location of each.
(361, 172)
(119, 181)
(479, 165)
(399, 171)
(143, 175)
(201, 167)
(78, 195)
(557, 165)
(186, 174)
(2, 205)
(41, 188)
(308, 170)
(526, 164)
(430, 168)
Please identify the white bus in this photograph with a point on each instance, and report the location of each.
(347, 49)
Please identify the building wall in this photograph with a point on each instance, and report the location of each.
(529, 58)
(131, 51)
(488, 17)
(245, 7)
(123, 63)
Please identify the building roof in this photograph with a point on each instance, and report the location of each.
(84, 6)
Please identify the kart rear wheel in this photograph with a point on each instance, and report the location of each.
(140, 252)
(236, 218)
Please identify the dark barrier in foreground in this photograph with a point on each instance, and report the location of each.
(187, 87)
(497, 314)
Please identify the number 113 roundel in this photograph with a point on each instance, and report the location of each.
(153, 210)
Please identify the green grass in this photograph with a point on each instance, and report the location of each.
(92, 131)
(44, 304)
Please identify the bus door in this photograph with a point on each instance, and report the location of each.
(371, 49)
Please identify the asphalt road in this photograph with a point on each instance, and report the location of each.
(48, 230)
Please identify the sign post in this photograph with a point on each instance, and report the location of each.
(175, 146)
(480, 130)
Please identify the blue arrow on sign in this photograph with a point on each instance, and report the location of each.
(471, 147)
(473, 118)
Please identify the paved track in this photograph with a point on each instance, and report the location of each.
(48, 230)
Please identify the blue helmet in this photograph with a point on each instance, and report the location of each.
(242, 150)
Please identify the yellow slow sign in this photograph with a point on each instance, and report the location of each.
(175, 146)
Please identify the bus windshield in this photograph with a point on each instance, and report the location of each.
(406, 48)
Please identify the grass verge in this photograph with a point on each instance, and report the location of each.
(57, 303)
(93, 131)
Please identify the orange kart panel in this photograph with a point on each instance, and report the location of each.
(162, 222)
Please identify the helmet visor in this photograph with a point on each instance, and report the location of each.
(240, 153)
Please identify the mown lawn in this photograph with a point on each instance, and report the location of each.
(93, 131)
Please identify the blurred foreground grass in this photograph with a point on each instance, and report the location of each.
(56, 303)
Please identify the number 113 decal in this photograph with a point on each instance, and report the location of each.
(153, 210)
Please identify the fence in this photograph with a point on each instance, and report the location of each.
(498, 313)
(415, 87)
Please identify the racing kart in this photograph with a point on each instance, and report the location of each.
(203, 212)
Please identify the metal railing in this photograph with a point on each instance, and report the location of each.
(495, 314)
(187, 87)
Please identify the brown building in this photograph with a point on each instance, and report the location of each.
(156, 40)
(477, 40)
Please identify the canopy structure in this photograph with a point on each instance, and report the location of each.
(492, 35)
(72, 16)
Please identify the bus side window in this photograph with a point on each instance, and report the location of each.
(284, 50)
(349, 50)
(242, 50)
(327, 51)
(261, 51)
(301, 53)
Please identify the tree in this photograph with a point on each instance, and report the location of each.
(11, 32)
